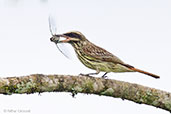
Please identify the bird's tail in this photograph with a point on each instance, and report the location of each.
(144, 72)
(141, 71)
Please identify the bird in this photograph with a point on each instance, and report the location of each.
(95, 57)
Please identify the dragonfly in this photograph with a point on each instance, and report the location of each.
(53, 30)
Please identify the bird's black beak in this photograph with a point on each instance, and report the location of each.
(60, 38)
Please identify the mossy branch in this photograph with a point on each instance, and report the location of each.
(83, 84)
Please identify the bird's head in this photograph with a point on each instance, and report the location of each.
(69, 37)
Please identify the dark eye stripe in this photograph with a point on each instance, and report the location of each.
(73, 35)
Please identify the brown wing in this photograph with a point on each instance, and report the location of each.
(100, 53)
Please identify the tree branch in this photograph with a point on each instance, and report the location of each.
(83, 84)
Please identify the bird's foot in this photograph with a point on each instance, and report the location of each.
(88, 75)
(104, 76)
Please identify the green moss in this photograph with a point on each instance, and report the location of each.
(78, 89)
(168, 105)
(28, 87)
(88, 87)
(9, 89)
(23, 87)
(126, 93)
(60, 87)
(148, 97)
(108, 92)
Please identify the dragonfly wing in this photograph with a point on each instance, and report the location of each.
(52, 25)
(65, 49)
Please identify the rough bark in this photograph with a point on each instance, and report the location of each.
(83, 84)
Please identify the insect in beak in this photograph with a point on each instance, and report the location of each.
(55, 39)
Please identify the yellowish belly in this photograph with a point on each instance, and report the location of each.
(104, 66)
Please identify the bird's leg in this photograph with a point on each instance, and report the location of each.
(97, 72)
(104, 75)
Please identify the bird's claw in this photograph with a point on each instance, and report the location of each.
(104, 77)
(88, 75)
(83, 74)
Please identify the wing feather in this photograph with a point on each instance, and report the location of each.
(100, 53)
